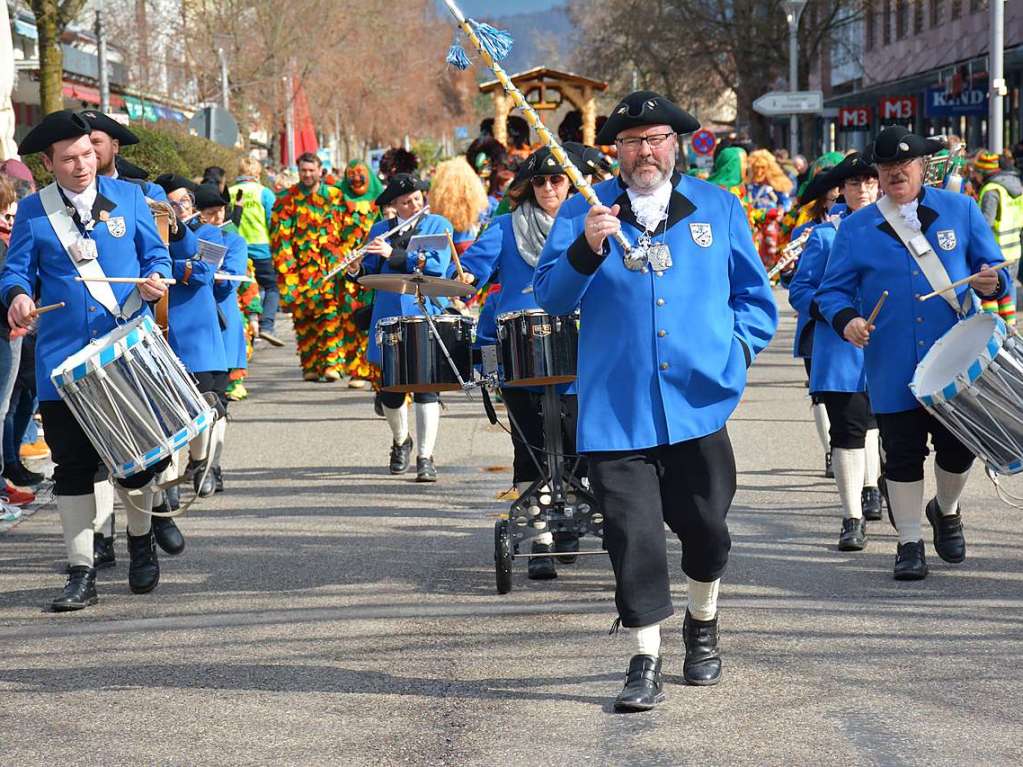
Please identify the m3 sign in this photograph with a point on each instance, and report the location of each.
(898, 108)
(854, 118)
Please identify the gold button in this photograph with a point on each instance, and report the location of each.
(664, 366)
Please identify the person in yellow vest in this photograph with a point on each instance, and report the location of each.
(256, 202)
(1001, 202)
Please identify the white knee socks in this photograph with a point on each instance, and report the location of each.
(848, 465)
(397, 419)
(219, 435)
(139, 523)
(198, 447)
(427, 424)
(820, 420)
(703, 599)
(872, 448)
(907, 500)
(648, 639)
(103, 493)
(77, 513)
(950, 488)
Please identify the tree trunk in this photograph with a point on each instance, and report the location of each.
(51, 57)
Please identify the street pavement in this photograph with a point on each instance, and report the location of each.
(327, 613)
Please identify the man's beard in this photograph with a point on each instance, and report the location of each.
(663, 175)
(106, 170)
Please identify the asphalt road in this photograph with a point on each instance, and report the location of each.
(325, 612)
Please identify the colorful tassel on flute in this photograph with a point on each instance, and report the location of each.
(457, 57)
(495, 42)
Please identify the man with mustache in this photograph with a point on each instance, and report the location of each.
(905, 243)
(667, 332)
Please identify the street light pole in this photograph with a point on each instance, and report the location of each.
(224, 95)
(996, 53)
(793, 10)
(101, 61)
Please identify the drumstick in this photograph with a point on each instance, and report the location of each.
(454, 256)
(233, 277)
(964, 280)
(48, 308)
(125, 280)
(877, 308)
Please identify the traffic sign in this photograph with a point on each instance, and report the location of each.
(789, 103)
(703, 141)
(216, 124)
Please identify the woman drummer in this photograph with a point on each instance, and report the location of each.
(404, 193)
(511, 246)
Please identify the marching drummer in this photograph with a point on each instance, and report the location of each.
(665, 340)
(404, 193)
(915, 240)
(81, 225)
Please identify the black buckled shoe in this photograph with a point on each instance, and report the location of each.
(949, 541)
(425, 470)
(165, 531)
(400, 456)
(643, 689)
(541, 568)
(853, 536)
(829, 472)
(144, 570)
(102, 552)
(218, 479)
(173, 495)
(566, 546)
(870, 503)
(204, 486)
(79, 592)
(703, 659)
(910, 562)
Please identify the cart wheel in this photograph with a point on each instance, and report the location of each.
(502, 557)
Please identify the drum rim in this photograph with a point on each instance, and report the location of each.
(126, 337)
(504, 316)
(415, 318)
(963, 379)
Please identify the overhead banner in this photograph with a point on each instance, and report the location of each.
(854, 118)
(970, 101)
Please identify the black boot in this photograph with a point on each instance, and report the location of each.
(80, 591)
(703, 660)
(400, 456)
(643, 689)
(173, 497)
(853, 536)
(425, 470)
(165, 531)
(102, 552)
(203, 487)
(949, 541)
(144, 571)
(218, 479)
(910, 563)
(541, 568)
(870, 502)
(20, 476)
(566, 546)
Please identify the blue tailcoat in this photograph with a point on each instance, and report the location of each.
(802, 320)
(236, 261)
(867, 258)
(397, 304)
(837, 365)
(38, 263)
(193, 329)
(662, 358)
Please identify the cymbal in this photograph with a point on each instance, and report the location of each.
(411, 284)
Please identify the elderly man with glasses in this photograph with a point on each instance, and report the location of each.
(667, 332)
(913, 240)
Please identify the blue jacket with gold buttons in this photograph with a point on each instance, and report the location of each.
(662, 355)
(128, 245)
(868, 258)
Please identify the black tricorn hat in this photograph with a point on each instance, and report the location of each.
(645, 108)
(56, 126)
(401, 183)
(853, 165)
(896, 144)
(209, 196)
(101, 122)
(543, 163)
(171, 181)
(593, 160)
(128, 169)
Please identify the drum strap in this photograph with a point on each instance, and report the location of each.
(67, 232)
(920, 249)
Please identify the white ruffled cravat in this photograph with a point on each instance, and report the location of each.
(650, 208)
(908, 213)
(82, 201)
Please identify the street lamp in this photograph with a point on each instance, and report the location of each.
(793, 10)
(996, 54)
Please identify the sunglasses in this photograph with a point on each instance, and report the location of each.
(555, 180)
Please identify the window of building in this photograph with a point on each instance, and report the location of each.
(869, 28)
(901, 16)
(886, 21)
(957, 9)
(936, 9)
(918, 16)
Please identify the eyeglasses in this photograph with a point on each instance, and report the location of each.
(892, 167)
(555, 180)
(654, 141)
(9, 217)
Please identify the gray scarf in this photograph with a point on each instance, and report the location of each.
(531, 225)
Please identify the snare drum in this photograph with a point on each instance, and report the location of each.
(411, 360)
(972, 381)
(132, 397)
(536, 348)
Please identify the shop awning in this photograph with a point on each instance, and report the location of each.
(81, 93)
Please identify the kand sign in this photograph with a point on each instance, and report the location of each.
(854, 118)
(972, 101)
(898, 108)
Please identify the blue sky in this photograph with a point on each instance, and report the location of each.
(494, 8)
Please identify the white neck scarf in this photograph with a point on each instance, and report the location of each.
(651, 207)
(908, 213)
(82, 201)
